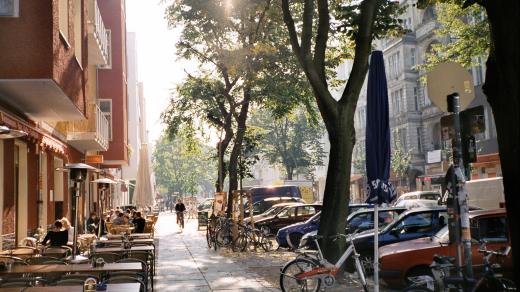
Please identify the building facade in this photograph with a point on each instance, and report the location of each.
(52, 56)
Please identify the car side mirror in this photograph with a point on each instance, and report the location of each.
(395, 232)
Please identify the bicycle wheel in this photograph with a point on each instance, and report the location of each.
(209, 237)
(288, 281)
(265, 243)
(240, 243)
(496, 284)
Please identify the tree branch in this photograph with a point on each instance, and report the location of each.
(322, 38)
(308, 11)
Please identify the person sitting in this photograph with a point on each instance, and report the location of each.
(58, 236)
(139, 223)
(66, 224)
(119, 220)
(126, 220)
(93, 223)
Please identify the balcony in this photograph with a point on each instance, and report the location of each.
(98, 49)
(90, 134)
(425, 29)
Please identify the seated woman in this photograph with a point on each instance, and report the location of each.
(69, 228)
(58, 236)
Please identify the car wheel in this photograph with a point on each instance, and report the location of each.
(294, 240)
(265, 230)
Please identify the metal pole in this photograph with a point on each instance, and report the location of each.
(376, 248)
(458, 182)
(75, 207)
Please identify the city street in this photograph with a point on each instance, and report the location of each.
(186, 264)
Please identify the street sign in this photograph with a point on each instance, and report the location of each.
(448, 78)
(94, 159)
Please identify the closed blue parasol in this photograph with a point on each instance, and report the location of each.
(377, 146)
(378, 134)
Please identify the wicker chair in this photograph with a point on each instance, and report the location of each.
(43, 260)
(108, 257)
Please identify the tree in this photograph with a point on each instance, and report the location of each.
(401, 159)
(503, 94)
(240, 45)
(360, 23)
(181, 164)
(292, 142)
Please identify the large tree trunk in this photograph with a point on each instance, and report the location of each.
(503, 93)
(221, 152)
(337, 188)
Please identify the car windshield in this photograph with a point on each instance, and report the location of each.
(430, 196)
(443, 235)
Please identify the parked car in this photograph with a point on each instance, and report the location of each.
(273, 211)
(412, 224)
(205, 205)
(265, 204)
(418, 199)
(412, 258)
(362, 219)
(289, 215)
(260, 193)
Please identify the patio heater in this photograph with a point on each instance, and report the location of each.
(8, 133)
(104, 185)
(78, 173)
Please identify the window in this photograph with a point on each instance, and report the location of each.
(414, 223)
(402, 137)
(64, 18)
(289, 212)
(396, 97)
(419, 144)
(387, 217)
(105, 105)
(306, 211)
(412, 57)
(108, 65)
(9, 8)
(416, 98)
(361, 221)
(395, 65)
(489, 229)
(77, 31)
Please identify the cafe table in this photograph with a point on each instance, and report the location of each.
(146, 248)
(133, 235)
(124, 287)
(72, 268)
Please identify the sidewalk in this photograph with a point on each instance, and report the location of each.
(186, 264)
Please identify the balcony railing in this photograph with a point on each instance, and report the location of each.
(90, 134)
(97, 35)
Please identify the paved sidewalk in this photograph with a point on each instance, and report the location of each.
(186, 264)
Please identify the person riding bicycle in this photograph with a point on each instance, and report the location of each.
(179, 209)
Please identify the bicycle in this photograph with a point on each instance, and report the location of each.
(442, 280)
(249, 237)
(308, 272)
(180, 219)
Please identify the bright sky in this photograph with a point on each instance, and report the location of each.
(158, 67)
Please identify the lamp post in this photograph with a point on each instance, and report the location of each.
(78, 173)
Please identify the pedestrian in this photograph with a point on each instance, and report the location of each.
(58, 236)
(179, 209)
(119, 220)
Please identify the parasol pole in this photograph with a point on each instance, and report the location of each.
(376, 247)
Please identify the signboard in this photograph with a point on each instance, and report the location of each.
(219, 206)
(94, 159)
(433, 156)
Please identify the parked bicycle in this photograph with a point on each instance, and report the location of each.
(252, 238)
(442, 279)
(310, 270)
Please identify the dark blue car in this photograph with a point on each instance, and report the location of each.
(360, 218)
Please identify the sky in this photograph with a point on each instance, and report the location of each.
(158, 66)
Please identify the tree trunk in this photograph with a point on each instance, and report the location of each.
(503, 94)
(290, 172)
(337, 188)
(221, 154)
(237, 149)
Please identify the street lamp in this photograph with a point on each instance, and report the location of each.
(78, 173)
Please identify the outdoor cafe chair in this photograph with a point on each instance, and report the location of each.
(126, 279)
(14, 260)
(23, 282)
(144, 267)
(79, 276)
(108, 257)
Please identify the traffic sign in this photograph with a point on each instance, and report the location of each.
(448, 78)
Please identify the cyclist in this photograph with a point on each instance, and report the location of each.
(179, 209)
